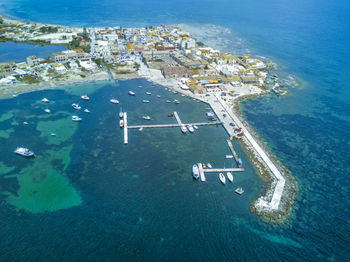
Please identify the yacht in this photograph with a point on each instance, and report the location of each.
(195, 171)
(114, 101)
(239, 190)
(131, 93)
(145, 101)
(76, 106)
(190, 128)
(195, 127)
(222, 178)
(121, 123)
(176, 101)
(209, 165)
(76, 118)
(148, 93)
(183, 129)
(86, 110)
(85, 97)
(146, 117)
(229, 176)
(47, 110)
(45, 100)
(24, 152)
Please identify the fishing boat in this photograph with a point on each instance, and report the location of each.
(47, 110)
(121, 123)
(239, 190)
(209, 165)
(45, 100)
(176, 101)
(183, 129)
(146, 117)
(148, 93)
(222, 178)
(86, 110)
(195, 171)
(168, 101)
(76, 106)
(76, 118)
(230, 176)
(170, 115)
(195, 127)
(24, 152)
(131, 93)
(145, 101)
(114, 101)
(190, 128)
(85, 97)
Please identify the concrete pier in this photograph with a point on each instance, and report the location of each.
(234, 153)
(201, 173)
(202, 170)
(125, 128)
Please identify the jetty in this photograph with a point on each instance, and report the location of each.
(234, 152)
(125, 127)
(202, 171)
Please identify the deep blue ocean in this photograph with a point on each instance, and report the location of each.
(138, 203)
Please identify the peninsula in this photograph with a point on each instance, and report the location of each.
(166, 55)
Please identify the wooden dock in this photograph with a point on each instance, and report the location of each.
(233, 153)
(125, 128)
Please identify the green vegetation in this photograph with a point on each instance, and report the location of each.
(75, 44)
(200, 44)
(48, 29)
(67, 65)
(98, 61)
(144, 60)
(30, 79)
(158, 60)
(123, 72)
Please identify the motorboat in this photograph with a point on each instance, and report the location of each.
(222, 178)
(76, 118)
(170, 115)
(25, 123)
(145, 101)
(45, 100)
(146, 117)
(239, 161)
(24, 152)
(114, 101)
(168, 101)
(158, 96)
(86, 110)
(229, 156)
(195, 171)
(183, 129)
(209, 165)
(121, 114)
(195, 127)
(230, 176)
(85, 97)
(174, 92)
(148, 93)
(76, 106)
(140, 129)
(47, 110)
(52, 134)
(239, 190)
(176, 101)
(131, 93)
(121, 123)
(190, 128)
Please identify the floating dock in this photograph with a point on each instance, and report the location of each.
(125, 128)
(234, 153)
(202, 171)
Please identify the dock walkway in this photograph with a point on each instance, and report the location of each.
(234, 153)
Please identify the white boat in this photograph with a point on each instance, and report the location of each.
(230, 176)
(174, 92)
(195, 171)
(86, 110)
(45, 100)
(25, 123)
(209, 165)
(76, 118)
(76, 106)
(176, 101)
(229, 156)
(24, 152)
(121, 123)
(222, 178)
(168, 101)
(114, 101)
(148, 93)
(85, 97)
(195, 127)
(183, 129)
(47, 110)
(183, 95)
(158, 96)
(131, 93)
(190, 128)
(52, 134)
(146, 117)
(239, 190)
(145, 101)
(121, 114)
(140, 129)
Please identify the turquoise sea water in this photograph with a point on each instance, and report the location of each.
(148, 208)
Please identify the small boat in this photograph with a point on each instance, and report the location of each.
(209, 165)
(76, 118)
(24, 152)
(114, 101)
(121, 114)
(183, 95)
(146, 117)
(140, 129)
(47, 110)
(76, 106)
(195, 171)
(183, 129)
(139, 86)
(168, 101)
(222, 178)
(131, 93)
(158, 96)
(239, 190)
(176, 101)
(195, 127)
(85, 97)
(174, 92)
(239, 161)
(203, 165)
(190, 128)
(145, 101)
(170, 115)
(230, 176)
(229, 156)
(52, 134)
(45, 100)
(148, 93)
(86, 110)
(121, 123)
(25, 123)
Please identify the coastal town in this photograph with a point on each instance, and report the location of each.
(166, 55)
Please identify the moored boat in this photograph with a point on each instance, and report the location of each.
(76, 106)
(190, 128)
(148, 93)
(158, 96)
(209, 165)
(229, 156)
(121, 114)
(47, 110)
(168, 101)
(131, 93)
(140, 129)
(45, 100)
(230, 176)
(239, 161)
(76, 118)
(222, 178)
(195, 127)
(121, 123)
(114, 101)
(146, 117)
(86, 110)
(239, 190)
(85, 97)
(183, 129)
(145, 101)
(195, 171)
(24, 152)
(176, 101)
